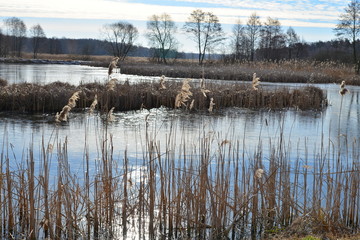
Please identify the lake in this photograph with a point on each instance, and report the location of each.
(303, 137)
(296, 125)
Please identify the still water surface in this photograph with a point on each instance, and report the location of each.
(301, 130)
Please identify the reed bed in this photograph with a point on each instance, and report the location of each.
(50, 98)
(209, 188)
(286, 71)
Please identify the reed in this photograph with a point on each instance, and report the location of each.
(291, 71)
(210, 188)
(33, 98)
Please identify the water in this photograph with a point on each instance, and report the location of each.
(296, 126)
(305, 134)
(73, 74)
(128, 128)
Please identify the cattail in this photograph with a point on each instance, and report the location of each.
(342, 85)
(184, 95)
(204, 91)
(110, 86)
(73, 99)
(112, 65)
(162, 83)
(110, 116)
(259, 173)
(93, 105)
(211, 105)
(62, 117)
(192, 104)
(255, 82)
(343, 91)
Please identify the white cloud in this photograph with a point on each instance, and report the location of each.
(295, 12)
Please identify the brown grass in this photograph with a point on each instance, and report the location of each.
(211, 188)
(52, 97)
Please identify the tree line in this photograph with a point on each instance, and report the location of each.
(249, 41)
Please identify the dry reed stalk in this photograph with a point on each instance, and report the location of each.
(73, 99)
(110, 116)
(255, 82)
(184, 95)
(162, 83)
(125, 195)
(211, 105)
(63, 115)
(204, 91)
(110, 86)
(31, 179)
(93, 105)
(10, 221)
(192, 104)
(112, 65)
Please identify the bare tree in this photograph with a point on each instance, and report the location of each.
(119, 38)
(239, 42)
(16, 29)
(349, 26)
(272, 38)
(205, 30)
(3, 48)
(292, 39)
(161, 35)
(253, 27)
(38, 36)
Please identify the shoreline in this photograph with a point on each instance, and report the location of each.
(287, 71)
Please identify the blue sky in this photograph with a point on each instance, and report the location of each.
(313, 20)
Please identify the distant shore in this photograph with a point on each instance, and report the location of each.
(286, 71)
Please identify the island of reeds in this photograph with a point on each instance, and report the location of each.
(50, 98)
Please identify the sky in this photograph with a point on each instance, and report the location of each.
(313, 20)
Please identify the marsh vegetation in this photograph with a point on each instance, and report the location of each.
(154, 169)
